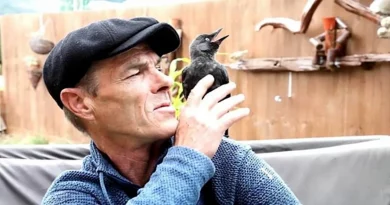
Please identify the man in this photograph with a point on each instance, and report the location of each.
(106, 78)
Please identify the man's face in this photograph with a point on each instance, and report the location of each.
(133, 97)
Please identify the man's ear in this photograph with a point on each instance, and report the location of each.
(77, 102)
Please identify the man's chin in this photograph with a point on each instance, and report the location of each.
(167, 128)
(172, 126)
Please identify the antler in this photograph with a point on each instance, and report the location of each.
(290, 24)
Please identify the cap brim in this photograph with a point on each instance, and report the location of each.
(161, 37)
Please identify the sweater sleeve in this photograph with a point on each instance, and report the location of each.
(69, 197)
(258, 183)
(178, 179)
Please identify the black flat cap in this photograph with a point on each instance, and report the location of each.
(72, 56)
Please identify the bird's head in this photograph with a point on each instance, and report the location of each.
(206, 44)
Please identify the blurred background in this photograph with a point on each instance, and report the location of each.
(351, 101)
(323, 127)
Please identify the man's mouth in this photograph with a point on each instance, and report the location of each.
(215, 34)
(162, 105)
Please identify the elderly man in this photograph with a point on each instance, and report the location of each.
(107, 80)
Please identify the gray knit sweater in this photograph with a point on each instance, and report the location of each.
(235, 175)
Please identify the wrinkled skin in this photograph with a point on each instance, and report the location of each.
(122, 118)
(127, 96)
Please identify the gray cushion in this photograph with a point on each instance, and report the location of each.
(320, 171)
(62, 151)
(357, 174)
(24, 182)
(281, 145)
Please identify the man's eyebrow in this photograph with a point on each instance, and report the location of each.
(131, 65)
(136, 64)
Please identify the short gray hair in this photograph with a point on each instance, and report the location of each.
(88, 83)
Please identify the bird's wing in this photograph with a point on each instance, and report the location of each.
(184, 83)
(224, 73)
(184, 72)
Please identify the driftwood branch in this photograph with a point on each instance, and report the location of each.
(290, 24)
(359, 9)
(302, 64)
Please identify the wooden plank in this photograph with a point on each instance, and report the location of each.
(348, 102)
(304, 64)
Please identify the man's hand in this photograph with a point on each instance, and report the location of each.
(202, 123)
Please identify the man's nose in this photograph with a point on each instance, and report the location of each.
(161, 81)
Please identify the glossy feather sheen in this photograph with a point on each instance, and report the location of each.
(198, 69)
(202, 52)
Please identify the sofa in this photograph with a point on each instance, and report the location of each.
(345, 170)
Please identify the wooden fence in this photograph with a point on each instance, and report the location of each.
(349, 102)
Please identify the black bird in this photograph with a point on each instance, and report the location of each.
(202, 55)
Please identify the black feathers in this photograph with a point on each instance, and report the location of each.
(202, 54)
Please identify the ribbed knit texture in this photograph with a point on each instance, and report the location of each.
(237, 176)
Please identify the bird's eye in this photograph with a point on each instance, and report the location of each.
(207, 39)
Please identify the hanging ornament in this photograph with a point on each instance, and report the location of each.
(33, 70)
(37, 42)
(380, 7)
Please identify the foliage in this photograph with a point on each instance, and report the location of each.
(24, 140)
(68, 5)
(178, 100)
(38, 140)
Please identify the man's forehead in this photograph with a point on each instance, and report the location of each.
(138, 54)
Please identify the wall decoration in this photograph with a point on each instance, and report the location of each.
(40, 46)
(330, 46)
(349, 5)
(384, 30)
(305, 64)
(33, 70)
(359, 9)
(380, 7)
(37, 43)
(292, 25)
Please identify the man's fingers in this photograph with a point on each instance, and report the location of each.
(218, 94)
(199, 90)
(233, 116)
(223, 107)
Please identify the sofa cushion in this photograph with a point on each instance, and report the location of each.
(357, 174)
(319, 171)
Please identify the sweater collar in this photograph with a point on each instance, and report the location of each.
(103, 163)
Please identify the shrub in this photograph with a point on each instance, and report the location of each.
(178, 100)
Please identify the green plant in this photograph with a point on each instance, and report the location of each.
(23, 140)
(178, 100)
(37, 140)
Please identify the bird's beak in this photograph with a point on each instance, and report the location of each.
(215, 34)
